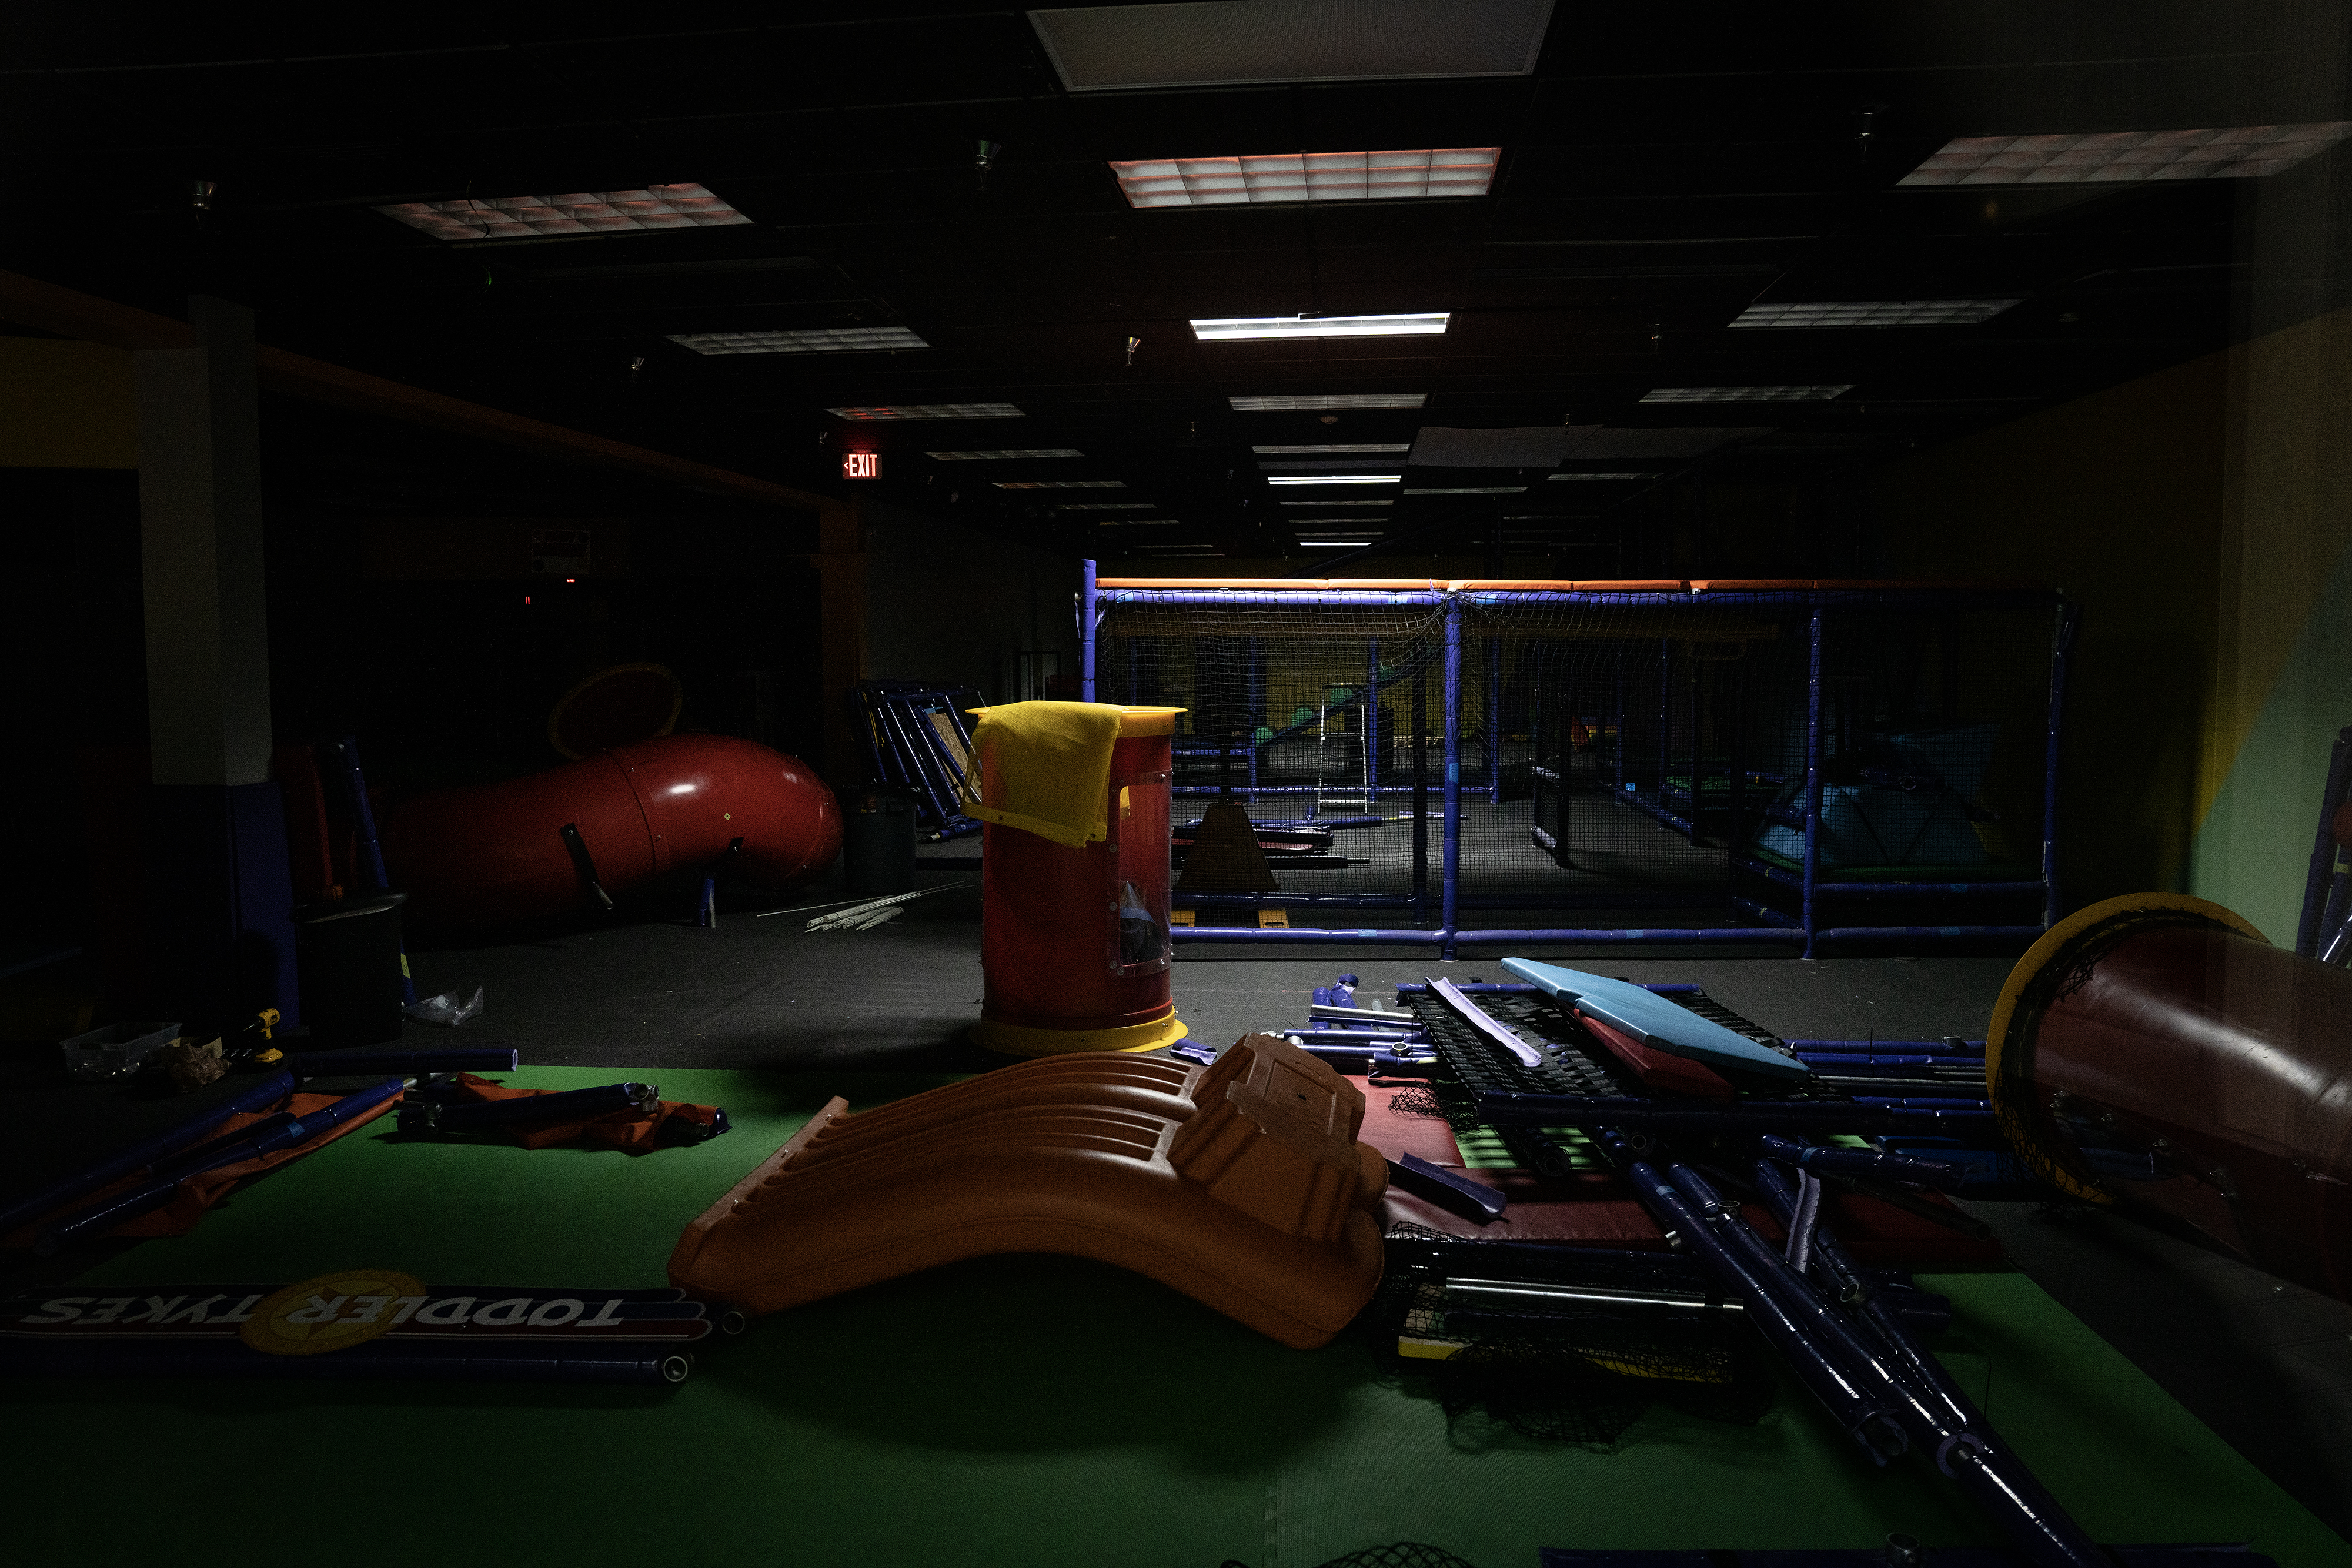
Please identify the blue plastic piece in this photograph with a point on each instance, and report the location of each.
(1655, 1021)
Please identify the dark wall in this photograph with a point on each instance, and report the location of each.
(71, 644)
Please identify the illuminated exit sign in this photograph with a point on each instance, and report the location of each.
(861, 465)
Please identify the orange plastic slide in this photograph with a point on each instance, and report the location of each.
(1239, 1184)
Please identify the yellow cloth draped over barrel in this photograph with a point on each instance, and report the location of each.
(1044, 767)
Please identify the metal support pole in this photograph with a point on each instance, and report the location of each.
(1372, 725)
(2070, 616)
(1088, 595)
(1813, 783)
(1450, 884)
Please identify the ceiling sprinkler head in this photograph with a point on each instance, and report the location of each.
(1133, 344)
(636, 365)
(200, 194)
(985, 159)
(1329, 419)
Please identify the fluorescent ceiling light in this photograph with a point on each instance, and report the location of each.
(1108, 507)
(1874, 313)
(1326, 465)
(1359, 447)
(1330, 401)
(1336, 533)
(1061, 484)
(1004, 452)
(1281, 177)
(1472, 490)
(1331, 544)
(577, 212)
(1334, 478)
(1236, 329)
(933, 411)
(1383, 501)
(1743, 394)
(2112, 156)
(1560, 476)
(826, 340)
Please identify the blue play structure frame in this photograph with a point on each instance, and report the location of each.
(1819, 898)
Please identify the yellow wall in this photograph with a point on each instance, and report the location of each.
(2202, 515)
(2118, 499)
(66, 405)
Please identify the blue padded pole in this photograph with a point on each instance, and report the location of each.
(1257, 706)
(1812, 782)
(2070, 616)
(1450, 884)
(1419, 792)
(2317, 882)
(1495, 718)
(1088, 595)
(1665, 714)
(1371, 723)
(1620, 721)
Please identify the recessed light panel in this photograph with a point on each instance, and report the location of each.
(1277, 177)
(1873, 313)
(1383, 501)
(1743, 394)
(1334, 478)
(2112, 156)
(1239, 328)
(1330, 402)
(578, 213)
(1359, 446)
(931, 411)
(1006, 453)
(1471, 490)
(828, 340)
(1560, 476)
(1061, 484)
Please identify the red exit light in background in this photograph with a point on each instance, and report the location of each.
(861, 465)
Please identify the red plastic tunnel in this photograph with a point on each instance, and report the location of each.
(672, 806)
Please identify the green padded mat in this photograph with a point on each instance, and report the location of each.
(1034, 1411)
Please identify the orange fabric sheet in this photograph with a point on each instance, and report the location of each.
(199, 1193)
(618, 1129)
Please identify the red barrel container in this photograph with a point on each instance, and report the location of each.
(1074, 947)
(673, 806)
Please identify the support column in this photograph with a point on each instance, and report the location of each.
(841, 590)
(219, 892)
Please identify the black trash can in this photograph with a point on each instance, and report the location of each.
(351, 969)
(877, 841)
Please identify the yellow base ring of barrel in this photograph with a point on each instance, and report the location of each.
(2046, 950)
(1019, 1040)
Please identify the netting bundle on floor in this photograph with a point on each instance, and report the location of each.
(1401, 1555)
